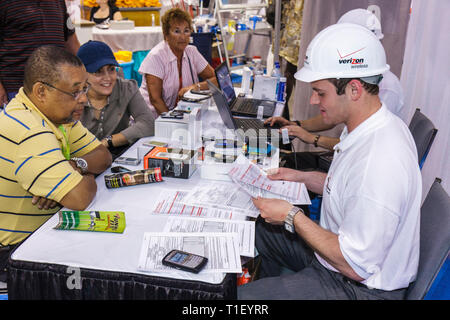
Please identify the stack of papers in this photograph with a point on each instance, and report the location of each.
(210, 219)
(255, 182)
(221, 249)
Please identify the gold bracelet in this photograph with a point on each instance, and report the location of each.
(198, 86)
(316, 139)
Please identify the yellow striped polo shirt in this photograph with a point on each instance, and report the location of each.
(32, 163)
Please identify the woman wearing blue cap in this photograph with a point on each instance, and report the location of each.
(115, 112)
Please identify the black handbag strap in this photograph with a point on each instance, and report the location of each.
(190, 68)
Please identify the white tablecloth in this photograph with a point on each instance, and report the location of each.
(110, 251)
(138, 39)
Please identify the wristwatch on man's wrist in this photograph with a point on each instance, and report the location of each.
(289, 221)
(81, 164)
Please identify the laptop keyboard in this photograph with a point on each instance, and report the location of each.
(246, 124)
(255, 128)
(247, 106)
(251, 107)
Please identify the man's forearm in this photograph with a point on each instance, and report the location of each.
(325, 243)
(98, 159)
(327, 142)
(3, 95)
(313, 180)
(81, 195)
(315, 124)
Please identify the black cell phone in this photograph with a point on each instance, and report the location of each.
(118, 169)
(184, 261)
(201, 92)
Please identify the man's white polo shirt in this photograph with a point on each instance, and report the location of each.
(371, 200)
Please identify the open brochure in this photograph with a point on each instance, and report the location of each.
(255, 182)
(221, 194)
(173, 203)
(104, 221)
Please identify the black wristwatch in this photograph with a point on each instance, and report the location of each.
(109, 140)
(81, 164)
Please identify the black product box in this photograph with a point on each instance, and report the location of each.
(174, 162)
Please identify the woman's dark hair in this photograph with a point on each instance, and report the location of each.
(111, 3)
(171, 15)
(340, 85)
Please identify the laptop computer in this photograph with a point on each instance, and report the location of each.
(245, 128)
(241, 106)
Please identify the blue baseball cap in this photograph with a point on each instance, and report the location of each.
(96, 54)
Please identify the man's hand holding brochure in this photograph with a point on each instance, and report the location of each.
(255, 182)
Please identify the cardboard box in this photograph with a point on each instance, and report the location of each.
(174, 162)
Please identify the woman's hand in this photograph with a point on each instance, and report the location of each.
(184, 90)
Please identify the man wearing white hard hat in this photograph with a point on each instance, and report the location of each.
(366, 245)
(390, 93)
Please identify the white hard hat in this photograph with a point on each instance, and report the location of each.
(364, 18)
(343, 50)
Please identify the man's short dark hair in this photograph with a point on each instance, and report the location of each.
(43, 65)
(340, 85)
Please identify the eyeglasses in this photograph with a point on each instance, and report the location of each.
(178, 32)
(75, 95)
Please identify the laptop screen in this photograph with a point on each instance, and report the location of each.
(225, 83)
(222, 106)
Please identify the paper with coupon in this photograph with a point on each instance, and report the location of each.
(244, 229)
(173, 203)
(225, 195)
(255, 182)
(221, 249)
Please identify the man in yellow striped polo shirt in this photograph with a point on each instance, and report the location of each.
(47, 160)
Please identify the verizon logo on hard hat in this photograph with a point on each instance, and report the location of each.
(350, 60)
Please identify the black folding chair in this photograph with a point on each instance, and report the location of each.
(423, 132)
(434, 240)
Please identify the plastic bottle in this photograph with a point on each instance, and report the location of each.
(281, 89)
(231, 31)
(153, 20)
(258, 69)
(276, 73)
